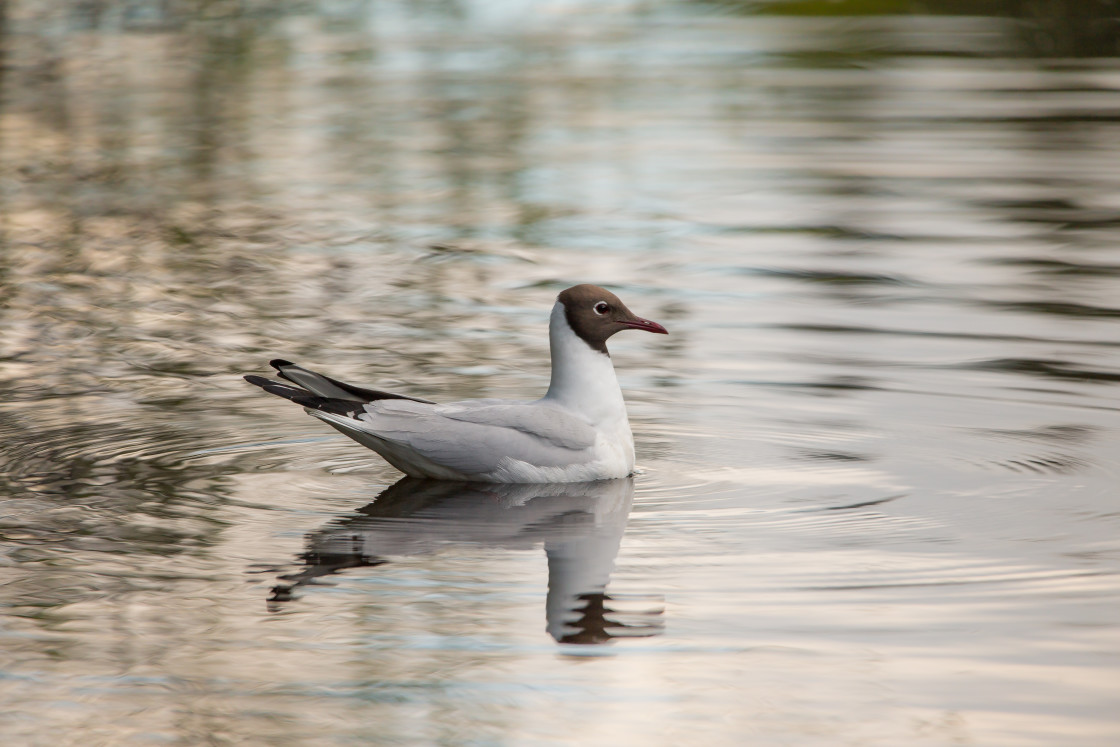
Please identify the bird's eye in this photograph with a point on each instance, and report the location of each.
(602, 308)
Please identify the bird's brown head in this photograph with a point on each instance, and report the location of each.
(595, 314)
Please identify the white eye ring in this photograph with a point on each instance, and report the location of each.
(601, 308)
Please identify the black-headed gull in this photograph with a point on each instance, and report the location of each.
(577, 432)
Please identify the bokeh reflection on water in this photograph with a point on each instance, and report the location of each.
(879, 452)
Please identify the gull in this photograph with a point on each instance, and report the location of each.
(577, 432)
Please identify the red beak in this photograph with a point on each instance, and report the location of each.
(646, 324)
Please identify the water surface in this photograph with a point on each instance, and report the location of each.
(877, 501)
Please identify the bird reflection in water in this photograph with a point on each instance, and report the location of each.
(580, 525)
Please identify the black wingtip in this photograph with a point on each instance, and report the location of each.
(347, 407)
(294, 393)
(278, 362)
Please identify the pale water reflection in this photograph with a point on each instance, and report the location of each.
(579, 525)
(879, 456)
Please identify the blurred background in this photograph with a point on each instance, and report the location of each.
(879, 450)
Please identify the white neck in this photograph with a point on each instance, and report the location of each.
(583, 379)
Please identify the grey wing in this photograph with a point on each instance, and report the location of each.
(475, 438)
(542, 421)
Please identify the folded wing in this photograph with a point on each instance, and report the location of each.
(452, 441)
(476, 438)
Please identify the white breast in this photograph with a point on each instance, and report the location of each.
(584, 382)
